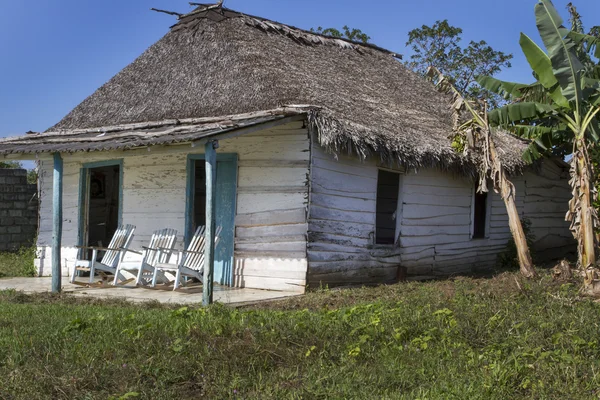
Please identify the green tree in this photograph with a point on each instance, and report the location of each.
(440, 46)
(10, 164)
(559, 110)
(356, 35)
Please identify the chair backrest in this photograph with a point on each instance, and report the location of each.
(120, 240)
(195, 260)
(163, 240)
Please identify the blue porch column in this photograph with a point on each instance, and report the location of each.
(211, 192)
(57, 189)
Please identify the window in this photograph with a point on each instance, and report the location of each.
(388, 184)
(480, 211)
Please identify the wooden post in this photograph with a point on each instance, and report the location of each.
(57, 222)
(211, 191)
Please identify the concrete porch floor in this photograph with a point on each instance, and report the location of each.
(189, 295)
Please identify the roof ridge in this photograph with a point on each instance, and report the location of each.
(299, 34)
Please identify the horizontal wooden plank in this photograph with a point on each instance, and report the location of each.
(274, 217)
(342, 182)
(343, 202)
(341, 240)
(353, 229)
(273, 189)
(419, 211)
(261, 254)
(249, 203)
(260, 176)
(445, 220)
(270, 239)
(409, 241)
(322, 213)
(299, 246)
(273, 163)
(407, 231)
(346, 168)
(242, 232)
(270, 283)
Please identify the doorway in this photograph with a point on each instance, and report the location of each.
(101, 198)
(226, 190)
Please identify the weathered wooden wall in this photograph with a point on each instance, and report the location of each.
(547, 193)
(434, 221)
(271, 226)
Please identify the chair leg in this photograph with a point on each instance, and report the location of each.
(177, 279)
(93, 265)
(117, 274)
(154, 277)
(138, 280)
(73, 274)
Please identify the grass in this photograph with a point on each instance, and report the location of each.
(18, 263)
(464, 338)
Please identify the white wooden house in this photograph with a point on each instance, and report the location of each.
(333, 161)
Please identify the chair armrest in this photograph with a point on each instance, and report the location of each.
(192, 252)
(133, 251)
(97, 248)
(157, 249)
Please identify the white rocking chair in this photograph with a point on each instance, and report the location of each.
(159, 250)
(190, 262)
(112, 256)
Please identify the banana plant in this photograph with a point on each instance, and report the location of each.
(556, 112)
(471, 127)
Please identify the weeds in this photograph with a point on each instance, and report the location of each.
(18, 264)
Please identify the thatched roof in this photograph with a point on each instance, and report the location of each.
(220, 62)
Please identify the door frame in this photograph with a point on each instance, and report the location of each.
(83, 204)
(225, 241)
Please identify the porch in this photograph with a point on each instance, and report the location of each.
(187, 295)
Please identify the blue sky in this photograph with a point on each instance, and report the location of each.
(55, 53)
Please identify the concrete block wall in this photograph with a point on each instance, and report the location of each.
(18, 210)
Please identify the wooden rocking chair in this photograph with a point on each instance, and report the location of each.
(159, 250)
(190, 262)
(112, 256)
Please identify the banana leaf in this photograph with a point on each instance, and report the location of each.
(502, 88)
(592, 43)
(565, 65)
(517, 112)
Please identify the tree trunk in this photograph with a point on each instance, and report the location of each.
(582, 216)
(586, 238)
(516, 228)
(507, 191)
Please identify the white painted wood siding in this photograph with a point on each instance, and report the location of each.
(271, 226)
(434, 222)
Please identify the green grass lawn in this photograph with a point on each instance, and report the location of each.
(463, 339)
(18, 263)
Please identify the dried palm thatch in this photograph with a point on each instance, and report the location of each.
(216, 61)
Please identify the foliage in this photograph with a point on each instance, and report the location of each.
(560, 109)
(468, 338)
(356, 35)
(440, 46)
(566, 86)
(509, 259)
(10, 164)
(19, 263)
(32, 176)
